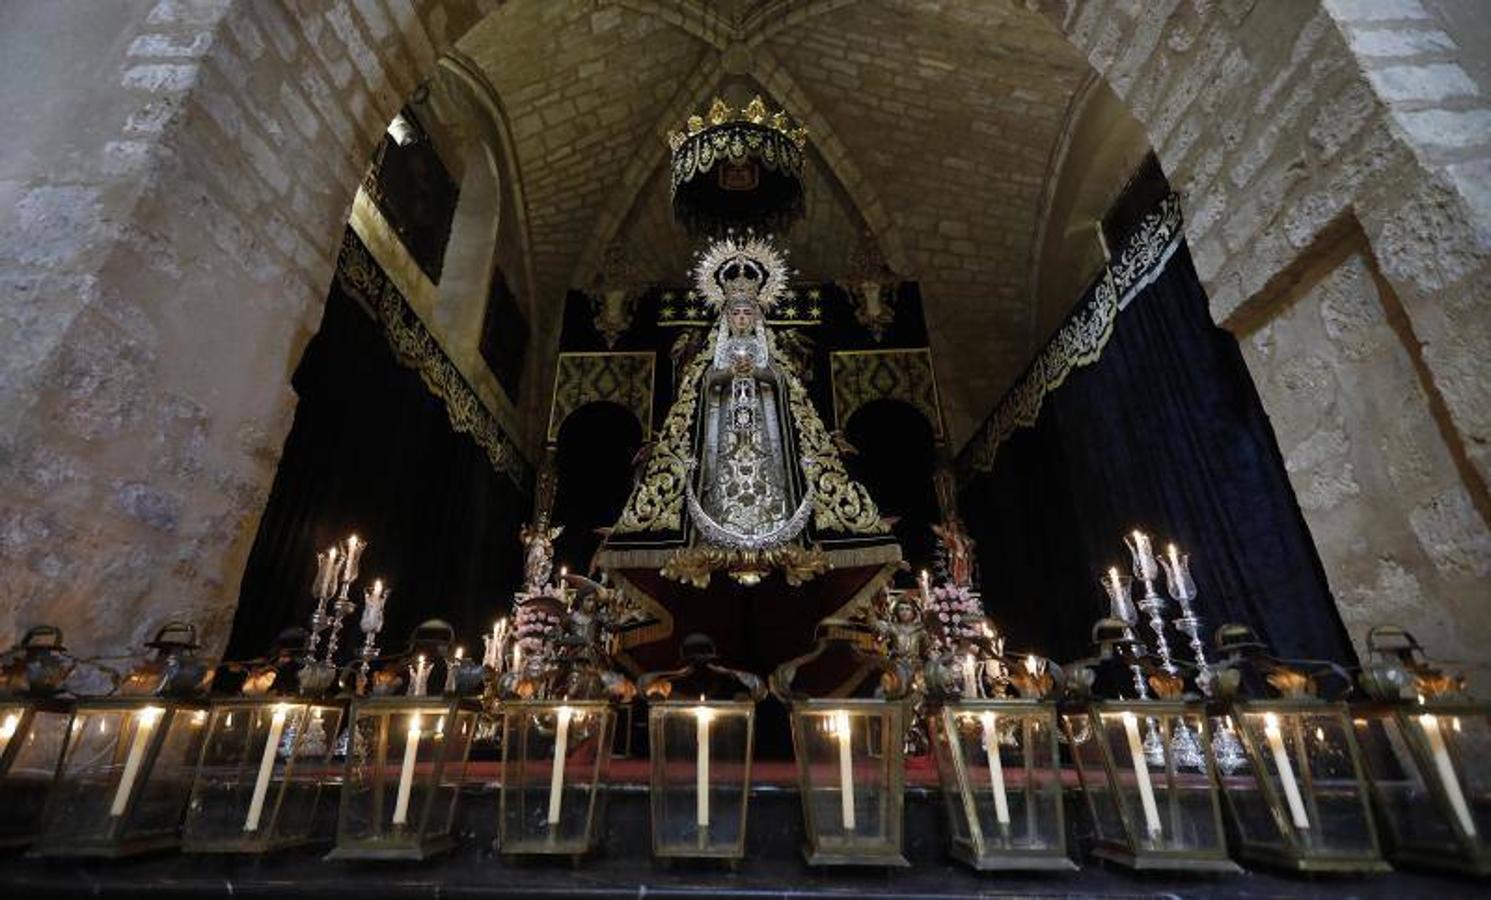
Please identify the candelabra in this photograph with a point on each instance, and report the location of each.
(1146, 569)
(1183, 591)
(1121, 608)
(344, 605)
(324, 588)
(372, 622)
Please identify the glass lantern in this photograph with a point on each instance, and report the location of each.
(1146, 776)
(33, 732)
(262, 775)
(406, 758)
(554, 757)
(701, 776)
(1430, 768)
(1001, 780)
(124, 778)
(1298, 798)
(1427, 750)
(850, 755)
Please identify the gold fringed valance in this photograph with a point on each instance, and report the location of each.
(1081, 339)
(413, 345)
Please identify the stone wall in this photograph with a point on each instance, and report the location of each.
(177, 180)
(1285, 126)
(178, 173)
(1397, 529)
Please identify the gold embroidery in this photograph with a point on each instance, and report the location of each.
(657, 503)
(1081, 340)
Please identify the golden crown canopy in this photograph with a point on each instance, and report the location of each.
(754, 113)
(738, 169)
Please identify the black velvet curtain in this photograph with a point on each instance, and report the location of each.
(1165, 433)
(372, 452)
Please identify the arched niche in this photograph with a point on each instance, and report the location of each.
(593, 458)
(896, 456)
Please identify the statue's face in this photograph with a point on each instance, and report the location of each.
(905, 613)
(742, 319)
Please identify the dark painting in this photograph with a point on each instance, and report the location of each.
(417, 196)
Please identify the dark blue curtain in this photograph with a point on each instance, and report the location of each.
(371, 451)
(1165, 433)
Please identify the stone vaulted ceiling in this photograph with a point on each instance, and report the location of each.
(932, 122)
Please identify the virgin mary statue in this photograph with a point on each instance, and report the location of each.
(744, 478)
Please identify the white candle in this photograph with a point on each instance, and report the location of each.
(701, 785)
(926, 584)
(517, 658)
(1113, 580)
(266, 768)
(556, 774)
(970, 678)
(406, 772)
(846, 769)
(145, 721)
(1446, 772)
(1141, 775)
(8, 730)
(1286, 771)
(996, 770)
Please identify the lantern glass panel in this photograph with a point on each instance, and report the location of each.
(1087, 756)
(701, 777)
(1431, 773)
(124, 779)
(1166, 796)
(849, 757)
(1001, 782)
(254, 795)
(406, 757)
(554, 756)
(31, 740)
(1305, 761)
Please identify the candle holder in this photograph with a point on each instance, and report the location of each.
(1423, 743)
(262, 775)
(1182, 590)
(554, 757)
(406, 758)
(126, 770)
(701, 752)
(850, 750)
(1146, 570)
(1001, 779)
(1301, 800)
(328, 569)
(1164, 816)
(374, 599)
(33, 729)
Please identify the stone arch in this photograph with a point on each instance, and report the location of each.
(139, 250)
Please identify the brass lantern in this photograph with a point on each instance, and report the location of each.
(1001, 776)
(1425, 747)
(701, 724)
(33, 729)
(126, 772)
(265, 763)
(1144, 765)
(1297, 795)
(850, 760)
(554, 757)
(407, 753)
(406, 758)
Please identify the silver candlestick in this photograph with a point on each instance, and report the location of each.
(1146, 569)
(323, 589)
(1121, 607)
(372, 622)
(351, 555)
(1183, 590)
(419, 676)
